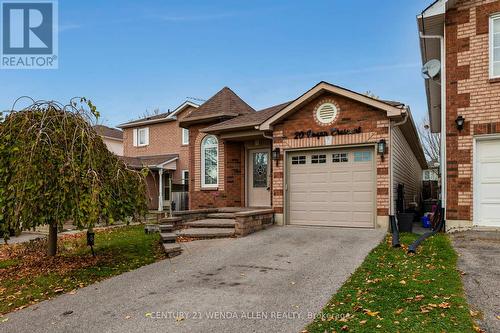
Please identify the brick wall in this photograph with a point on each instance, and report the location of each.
(230, 191)
(164, 138)
(374, 124)
(470, 93)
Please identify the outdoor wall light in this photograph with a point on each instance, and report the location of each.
(276, 155)
(460, 123)
(381, 147)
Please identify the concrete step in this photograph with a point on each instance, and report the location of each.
(206, 232)
(168, 237)
(221, 216)
(166, 228)
(211, 223)
(172, 250)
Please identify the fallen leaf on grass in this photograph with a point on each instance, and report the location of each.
(444, 305)
(345, 328)
(362, 322)
(58, 290)
(402, 282)
(398, 311)
(371, 313)
(4, 320)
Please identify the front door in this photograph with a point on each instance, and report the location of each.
(259, 187)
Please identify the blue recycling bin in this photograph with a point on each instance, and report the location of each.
(426, 222)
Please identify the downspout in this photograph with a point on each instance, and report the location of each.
(443, 164)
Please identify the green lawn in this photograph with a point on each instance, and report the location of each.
(28, 276)
(394, 292)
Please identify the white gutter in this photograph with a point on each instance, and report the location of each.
(442, 154)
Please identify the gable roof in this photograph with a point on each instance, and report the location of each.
(108, 132)
(224, 104)
(159, 118)
(323, 86)
(246, 121)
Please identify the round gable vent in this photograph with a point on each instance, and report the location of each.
(326, 113)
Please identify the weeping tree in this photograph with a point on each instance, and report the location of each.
(54, 168)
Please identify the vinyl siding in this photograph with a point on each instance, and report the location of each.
(406, 169)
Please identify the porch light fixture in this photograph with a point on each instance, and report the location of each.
(460, 123)
(276, 154)
(381, 147)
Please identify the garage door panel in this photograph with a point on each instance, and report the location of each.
(362, 176)
(362, 196)
(331, 194)
(340, 177)
(340, 196)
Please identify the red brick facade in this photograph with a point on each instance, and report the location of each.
(164, 138)
(469, 93)
(231, 189)
(352, 114)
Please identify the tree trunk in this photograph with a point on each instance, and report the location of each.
(52, 249)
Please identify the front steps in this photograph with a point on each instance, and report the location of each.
(208, 223)
(212, 223)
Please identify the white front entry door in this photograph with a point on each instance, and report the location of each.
(258, 180)
(487, 183)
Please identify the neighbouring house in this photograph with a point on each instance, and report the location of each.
(112, 137)
(464, 106)
(330, 157)
(430, 179)
(159, 144)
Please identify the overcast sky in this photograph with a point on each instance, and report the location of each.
(131, 56)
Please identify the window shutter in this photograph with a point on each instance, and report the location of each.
(147, 135)
(134, 137)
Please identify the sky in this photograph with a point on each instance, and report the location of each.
(131, 56)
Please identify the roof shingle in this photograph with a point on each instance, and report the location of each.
(224, 103)
(247, 120)
(109, 132)
(145, 161)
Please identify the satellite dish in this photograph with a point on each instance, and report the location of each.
(431, 69)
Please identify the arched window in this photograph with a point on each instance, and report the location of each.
(209, 162)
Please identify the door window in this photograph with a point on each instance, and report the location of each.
(260, 164)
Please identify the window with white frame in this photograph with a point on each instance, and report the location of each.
(141, 137)
(495, 46)
(209, 161)
(185, 136)
(298, 160)
(340, 158)
(185, 177)
(318, 159)
(362, 156)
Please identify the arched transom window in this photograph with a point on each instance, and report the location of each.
(209, 161)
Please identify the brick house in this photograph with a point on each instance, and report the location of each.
(330, 157)
(464, 106)
(158, 143)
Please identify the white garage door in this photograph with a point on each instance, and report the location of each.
(332, 187)
(487, 196)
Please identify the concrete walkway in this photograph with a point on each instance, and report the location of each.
(270, 281)
(479, 259)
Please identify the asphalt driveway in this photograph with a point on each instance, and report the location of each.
(479, 260)
(271, 281)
